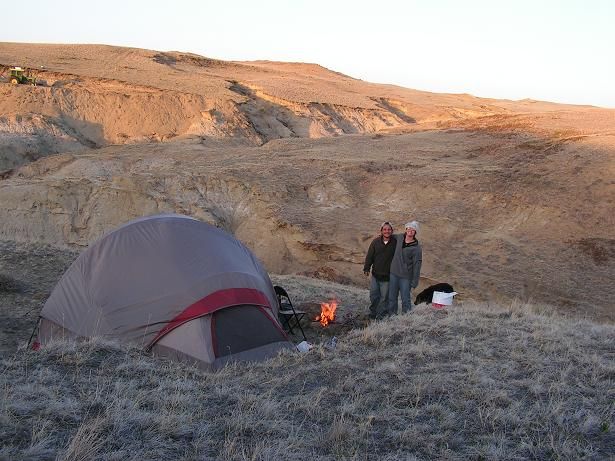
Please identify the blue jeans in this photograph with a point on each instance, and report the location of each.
(397, 286)
(378, 297)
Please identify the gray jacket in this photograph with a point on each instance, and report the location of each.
(407, 261)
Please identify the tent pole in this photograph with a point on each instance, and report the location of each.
(33, 332)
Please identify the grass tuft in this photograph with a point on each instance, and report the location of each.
(9, 284)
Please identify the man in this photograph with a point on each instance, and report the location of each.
(405, 268)
(378, 259)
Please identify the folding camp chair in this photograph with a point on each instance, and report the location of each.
(288, 315)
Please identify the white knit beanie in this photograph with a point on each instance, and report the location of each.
(412, 224)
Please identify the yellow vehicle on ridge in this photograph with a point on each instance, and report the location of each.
(19, 75)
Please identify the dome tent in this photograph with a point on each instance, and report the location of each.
(171, 284)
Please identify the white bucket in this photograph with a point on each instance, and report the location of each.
(441, 299)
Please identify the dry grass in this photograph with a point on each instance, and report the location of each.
(8, 284)
(478, 382)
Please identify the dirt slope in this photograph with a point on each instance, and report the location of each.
(503, 214)
(94, 95)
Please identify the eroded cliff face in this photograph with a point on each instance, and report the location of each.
(490, 226)
(73, 115)
(94, 96)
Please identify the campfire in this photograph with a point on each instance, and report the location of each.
(327, 313)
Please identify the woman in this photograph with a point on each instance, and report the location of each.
(405, 268)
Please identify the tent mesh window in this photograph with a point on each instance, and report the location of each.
(241, 328)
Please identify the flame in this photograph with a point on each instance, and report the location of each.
(327, 313)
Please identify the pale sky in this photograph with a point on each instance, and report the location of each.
(561, 51)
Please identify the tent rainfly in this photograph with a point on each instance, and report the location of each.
(173, 285)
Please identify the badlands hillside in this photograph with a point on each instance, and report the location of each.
(302, 163)
(506, 381)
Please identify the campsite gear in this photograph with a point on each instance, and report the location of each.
(441, 299)
(304, 346)
(426, 295)
(171, 284)
(331, 344)
(288, 315)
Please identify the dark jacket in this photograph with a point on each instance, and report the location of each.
(407, 261)
(379, 257)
